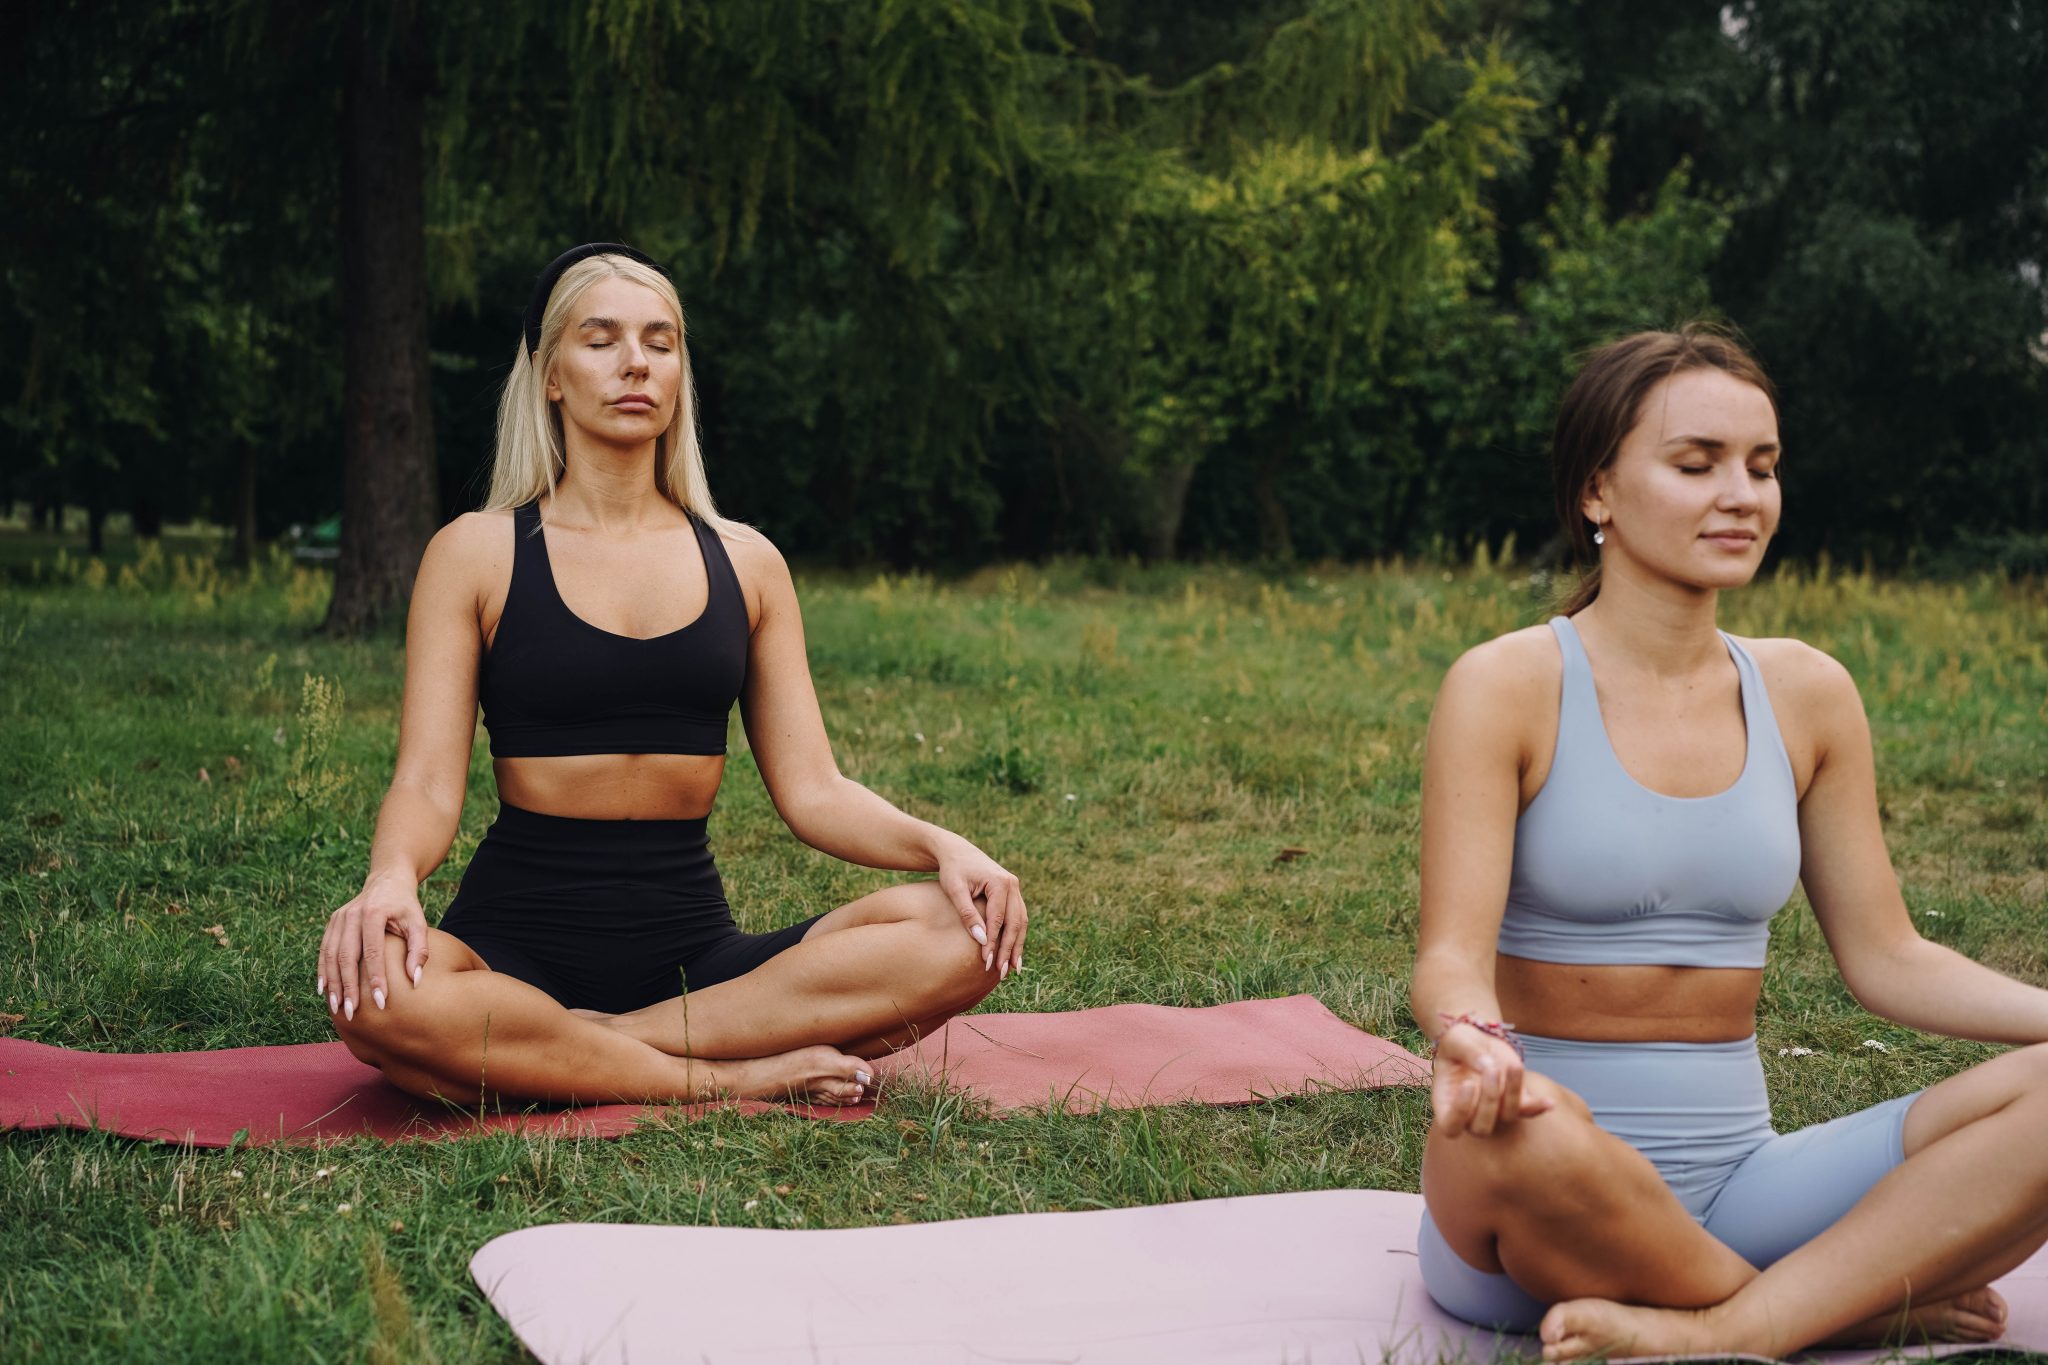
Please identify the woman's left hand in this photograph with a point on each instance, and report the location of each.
(990, 904)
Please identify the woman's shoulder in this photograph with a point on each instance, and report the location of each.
(475, 547)
(754, 556)
(1520, 666)
(1809, 681)
(1498, 697)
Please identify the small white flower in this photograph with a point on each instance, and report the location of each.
(918, 736)
(1795, 1052)
(344, 1208)
(1072, 797)
(1930, 914)
(322, 1173)
(234, 1175)
(1872, 1042)
(751, 1205)
(939, 749)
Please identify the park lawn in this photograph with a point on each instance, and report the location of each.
(191, 776)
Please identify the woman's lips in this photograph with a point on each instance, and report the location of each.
(1730, 540)
(634, 402)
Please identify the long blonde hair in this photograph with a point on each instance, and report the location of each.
(531, 455)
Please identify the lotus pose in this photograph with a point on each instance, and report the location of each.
(607, 618)
(1614, 807)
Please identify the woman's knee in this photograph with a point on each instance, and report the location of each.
(410, 1025)
(1549, 1154)
(949, 960)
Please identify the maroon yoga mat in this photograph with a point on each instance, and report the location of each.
(1326, 1275)
(1119, 1057)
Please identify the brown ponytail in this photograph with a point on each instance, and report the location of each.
(1603, 405)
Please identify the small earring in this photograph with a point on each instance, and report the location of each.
(1599, 535)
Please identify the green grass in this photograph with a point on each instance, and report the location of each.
(1137, 745)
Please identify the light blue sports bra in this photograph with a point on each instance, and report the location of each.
(1608, 871)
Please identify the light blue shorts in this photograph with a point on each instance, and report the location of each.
(1700, 1113)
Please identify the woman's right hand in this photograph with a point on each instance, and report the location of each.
(1477, 1085)
(352, 949)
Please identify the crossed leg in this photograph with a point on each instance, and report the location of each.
(799, 1026)
(1926, 1233)
(870, 977)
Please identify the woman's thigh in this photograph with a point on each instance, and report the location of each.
(1556, 1208)
(1797, 1185)
(919, 902)
(1977, 1093)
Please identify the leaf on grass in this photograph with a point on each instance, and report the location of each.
(173, 908)
(1288, 855)
(234, 765)
(8, 1021)
(204, 776)
(219, 932)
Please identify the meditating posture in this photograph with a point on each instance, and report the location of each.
(607, 618)
(1614, 807)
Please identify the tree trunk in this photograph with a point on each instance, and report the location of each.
(245, 507)
(1166, 497)
(1276, 538)
(387, 499)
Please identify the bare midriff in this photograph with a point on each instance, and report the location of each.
(612, 786)
(1628, 1003)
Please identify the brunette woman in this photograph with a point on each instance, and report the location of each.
(1615, 805)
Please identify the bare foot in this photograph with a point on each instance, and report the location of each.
(817, 1075)
(1580, 1329)
(1978, 1315)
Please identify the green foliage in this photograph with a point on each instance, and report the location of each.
(1015, 277)
(310, 779)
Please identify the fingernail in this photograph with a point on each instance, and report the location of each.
(862, 1077)
(1004, 975)
(987, 961)
(378, 996)
(980, 936)
(348, 1010)
(333, 1002)
(415, 976)
(320, 986)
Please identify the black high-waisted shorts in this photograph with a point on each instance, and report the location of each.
(610, 915)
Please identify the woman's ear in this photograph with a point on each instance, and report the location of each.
(1593, 502)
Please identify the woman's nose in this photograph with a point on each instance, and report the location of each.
(1739, 492)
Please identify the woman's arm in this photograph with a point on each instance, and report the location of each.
(830, 811)
(418, 819)
(1889, 968)
(1471, 794)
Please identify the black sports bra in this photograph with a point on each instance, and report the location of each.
(552, 683)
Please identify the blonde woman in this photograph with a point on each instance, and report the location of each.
(607, 618)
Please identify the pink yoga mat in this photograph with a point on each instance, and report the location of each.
(1119, 1056)
(1323, 1276)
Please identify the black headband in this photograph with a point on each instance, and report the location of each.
(545, 285)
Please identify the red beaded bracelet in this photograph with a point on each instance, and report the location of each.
(1492, 1028)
